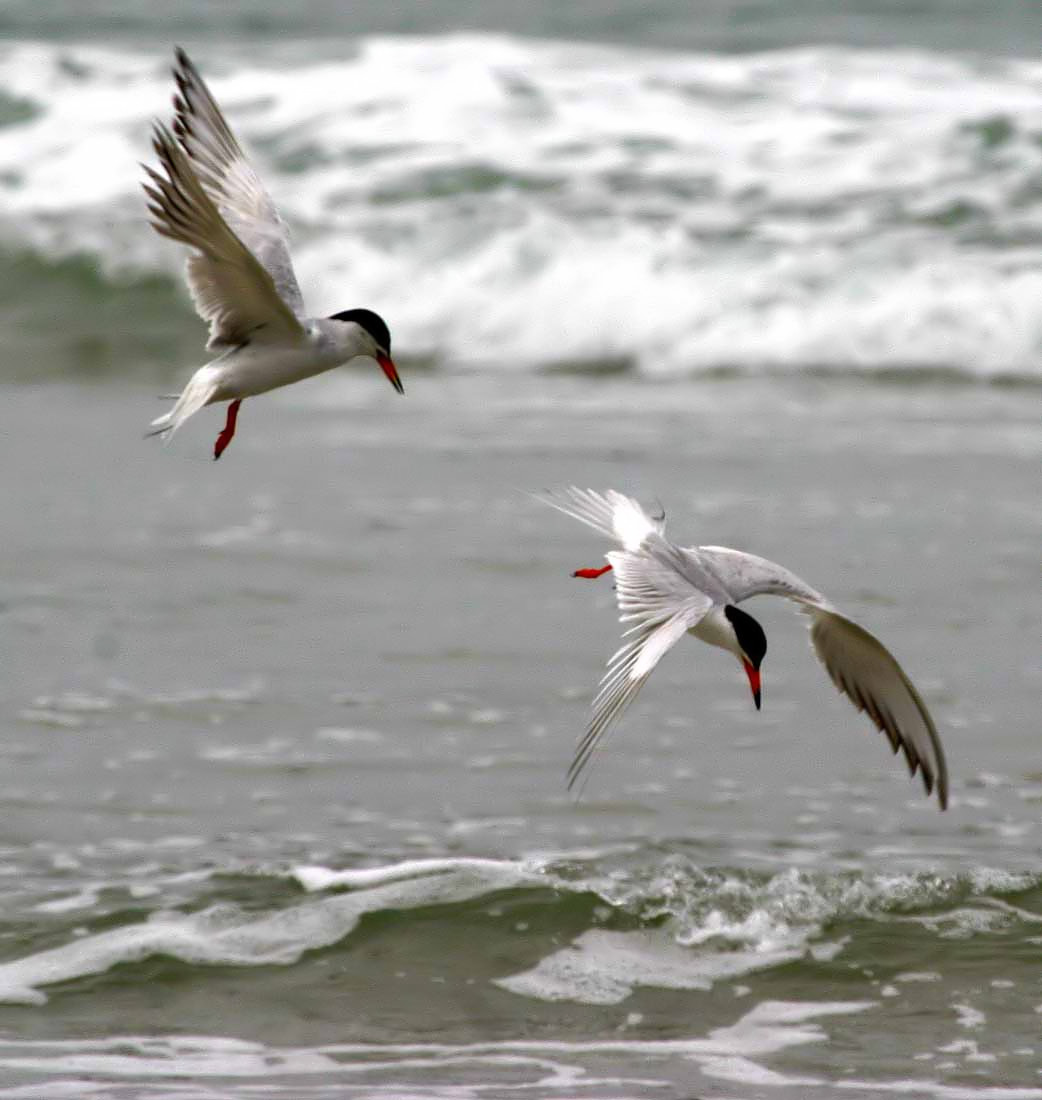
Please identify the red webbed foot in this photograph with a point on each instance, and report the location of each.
(228, 430)
(592, 574)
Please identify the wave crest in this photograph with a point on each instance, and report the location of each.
(526, 203)
(671, 926)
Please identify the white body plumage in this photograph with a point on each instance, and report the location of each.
(239, 273)
(665, 591)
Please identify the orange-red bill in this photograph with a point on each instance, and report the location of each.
(388, 367)
(754, 681)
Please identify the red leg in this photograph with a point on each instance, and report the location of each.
(592, 574)
(228, 430)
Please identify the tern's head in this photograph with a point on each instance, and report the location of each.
(376, 339)
(752, 645)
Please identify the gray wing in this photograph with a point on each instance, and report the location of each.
(870, 677)
(856, 661)
(745, 575)
(231, 181)
(613, 514)
(230, 289)
(662, 606)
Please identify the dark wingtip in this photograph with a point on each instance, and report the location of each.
(942, 796)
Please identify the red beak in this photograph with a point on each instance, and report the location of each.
(754, 681)
(388, 367)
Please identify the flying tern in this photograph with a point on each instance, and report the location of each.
(666, 591)
(240, 275)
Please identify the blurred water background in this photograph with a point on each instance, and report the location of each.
(284, 737)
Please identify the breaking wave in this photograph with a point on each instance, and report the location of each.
(665, 924)
(509, 202)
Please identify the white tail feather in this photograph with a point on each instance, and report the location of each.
(201, 390)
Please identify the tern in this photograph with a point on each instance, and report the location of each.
(240, 275)
(666, 591)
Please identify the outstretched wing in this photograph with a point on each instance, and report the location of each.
(231, 181)
(613, 514)
(856, 661)
(662, 606)
(229, 286)
(745, 575)
(870, 677)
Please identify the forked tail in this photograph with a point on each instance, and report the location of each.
(201, 390)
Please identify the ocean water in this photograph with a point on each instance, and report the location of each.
(285, 736)
(517, 201)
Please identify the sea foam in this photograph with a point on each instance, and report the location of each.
(224, 936)
(511, 202)
(695, 929)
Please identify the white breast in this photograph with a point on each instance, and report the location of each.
(715, 629)
(258, 368)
